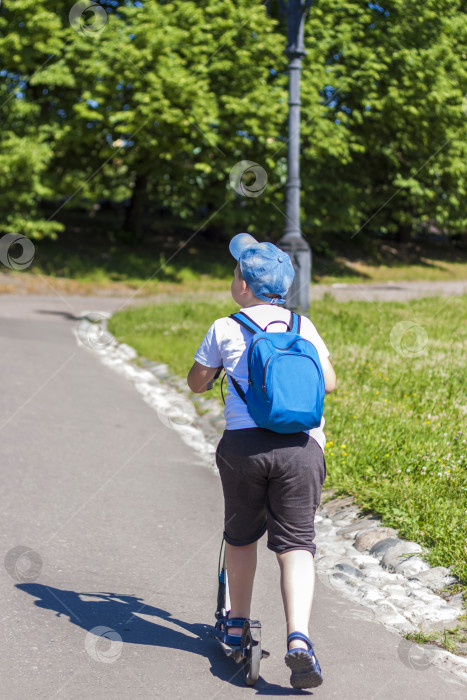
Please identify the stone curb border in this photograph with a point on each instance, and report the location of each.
(365, 562)
(372, 566)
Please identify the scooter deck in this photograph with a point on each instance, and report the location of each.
(236, 654)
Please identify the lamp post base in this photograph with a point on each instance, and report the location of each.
(298, 296)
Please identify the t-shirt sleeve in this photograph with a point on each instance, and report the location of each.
(308, 331)
(208, 353)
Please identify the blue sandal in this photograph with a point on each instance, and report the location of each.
(232, 640)
(306, 671)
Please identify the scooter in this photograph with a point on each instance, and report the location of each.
(249, 652)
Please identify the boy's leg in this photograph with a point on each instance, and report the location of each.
(293, 497)
(241, 567)
(240, 460)
(297, 586)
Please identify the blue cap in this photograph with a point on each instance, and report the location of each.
(265, 268)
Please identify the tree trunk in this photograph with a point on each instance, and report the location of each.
(404, 233)
(133, 217)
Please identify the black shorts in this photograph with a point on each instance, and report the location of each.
(271, 481)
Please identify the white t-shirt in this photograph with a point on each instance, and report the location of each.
(226, 343)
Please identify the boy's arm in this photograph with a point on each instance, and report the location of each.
(330, 381)
(200, 376)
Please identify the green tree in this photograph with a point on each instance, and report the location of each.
(29, 37)
(189, 94)
(394, 75)
(155, 102)
(161, 102)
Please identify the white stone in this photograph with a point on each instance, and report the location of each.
(436, 577)
(371, 594)
(145, 376)
(401, 551)
(369, 570)
(411, 566)
(431, 613)
(377, 574)
(326, 531)
(363, 560)
(327, 562)
(395, 588)
(348, 569)
(392, 619)
(337, 549)
(457, 601)
(399, 601)
(414, 585)
(368, 538)
(339, 579)
(419, 593)
(126, 352)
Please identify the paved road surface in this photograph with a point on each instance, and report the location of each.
(127, 523)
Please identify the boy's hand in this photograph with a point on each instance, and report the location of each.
(211, 383)
(201, 378)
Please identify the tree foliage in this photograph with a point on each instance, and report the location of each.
(153, 103)
(396, 77)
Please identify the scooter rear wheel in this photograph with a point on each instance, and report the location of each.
(251, 647)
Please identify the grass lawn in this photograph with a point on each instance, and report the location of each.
(118, 269)
(184, 279)
(84, 260)
(396, 425)
(431, 270)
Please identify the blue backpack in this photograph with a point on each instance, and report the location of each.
(285, 379)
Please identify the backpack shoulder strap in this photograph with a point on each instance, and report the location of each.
(251, 326)
(246, 322)
(238, 389)
(295, 323)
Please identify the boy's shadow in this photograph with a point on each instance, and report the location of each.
(120, 613)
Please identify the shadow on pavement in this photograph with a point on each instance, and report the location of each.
(65, 314)
(120, 613)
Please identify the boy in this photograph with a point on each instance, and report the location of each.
(271, 481)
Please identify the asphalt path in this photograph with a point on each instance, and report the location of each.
(122, 525)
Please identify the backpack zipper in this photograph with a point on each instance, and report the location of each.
(250, 351)
(264, 373)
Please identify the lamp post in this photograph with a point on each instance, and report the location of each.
(292, 242)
